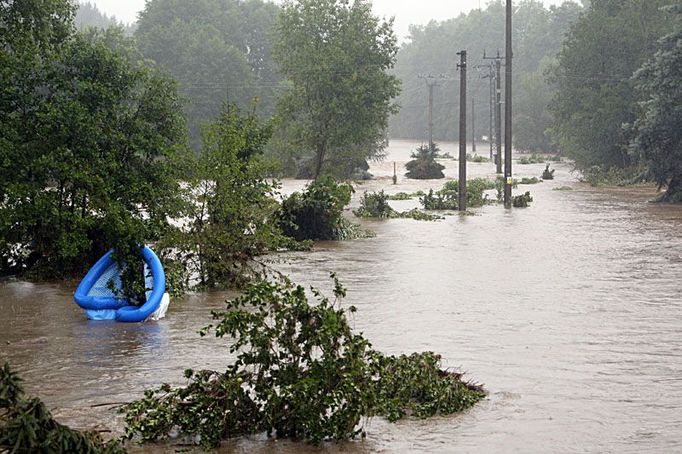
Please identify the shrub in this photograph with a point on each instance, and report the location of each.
(301, 372)
(26, 425)
(317, 212)
(522, 201)
(548, 174)
(424, 166)
(526, 180)
(448, 197)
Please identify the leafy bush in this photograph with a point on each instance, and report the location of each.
(532, 159)
(448, 197)
(548, 174)
(522, 201)
(375, 205)
(526, 180)
(423, 165)
(26, 425)
(406, 195)
(477, 158)
(316, 213)
(301, 372)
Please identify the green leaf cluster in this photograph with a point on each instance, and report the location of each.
(26, 425)
(301, 372)
(375, 205)
(335, 56)
(447, 198)
(317, 212)
(423, 165)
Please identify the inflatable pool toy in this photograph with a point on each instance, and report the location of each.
(99, 291)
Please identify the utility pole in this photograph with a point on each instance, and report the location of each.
(508, 111)
(462, 130)
(498, 108)
(473, 125)
(431, 82)
(491, 77)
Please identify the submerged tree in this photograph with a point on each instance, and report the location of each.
(335, 55)
(659, 127)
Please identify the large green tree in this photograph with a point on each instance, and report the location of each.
(658, 130)
(336, 56)
(217, 50)
(87, 147)
(595, 91)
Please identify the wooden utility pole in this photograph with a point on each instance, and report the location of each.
(498, 108)
(473, 124)
(508, 111)
(431, 82)
(462, 130)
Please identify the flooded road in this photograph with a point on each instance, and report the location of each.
(568, 311)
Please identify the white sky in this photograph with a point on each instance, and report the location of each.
(406, 12)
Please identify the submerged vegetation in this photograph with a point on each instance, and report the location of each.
(375, 205)
(26, 425)
(423, 165)
(447, 198)
(522, 201)
(548, 174)
(300, 372)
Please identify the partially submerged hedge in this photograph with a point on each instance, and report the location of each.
(301, 372)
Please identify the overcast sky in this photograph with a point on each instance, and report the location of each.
(406, 12)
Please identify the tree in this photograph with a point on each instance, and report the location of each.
(218, 50)
(335, 55)
(88, 147)
(595, 93)
(232, 205)
(658, 130)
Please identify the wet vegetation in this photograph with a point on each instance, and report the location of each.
(447, 198)
(526, 180)
(375, 205)
(423, 165)
(301, 372)
(26, 425)
(522, 201)
(548, 174)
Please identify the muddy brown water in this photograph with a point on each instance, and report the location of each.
(569, 312)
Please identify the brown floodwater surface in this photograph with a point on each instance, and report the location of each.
(568, 311)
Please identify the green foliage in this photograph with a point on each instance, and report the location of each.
(335, 56)
(595, 93)
(613, 176)
(26, 425)
(423, 165)
(406, 195)
(538, 33)
(563, 188)
(317, 212)
(547, 174)
(88, 15)
(658, 130)
(89, 144)
(526, 180)
(218, 50)
(477, 158)
(300, 372)
(230, 206)
(375, 205)
(532, 159)
(522, 201)
(448, 197)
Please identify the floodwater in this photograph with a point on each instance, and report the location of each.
(568, 311)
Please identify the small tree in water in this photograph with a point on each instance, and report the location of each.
(424, 165)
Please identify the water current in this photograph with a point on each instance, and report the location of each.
(569, 312)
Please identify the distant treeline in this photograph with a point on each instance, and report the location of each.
(538, 34)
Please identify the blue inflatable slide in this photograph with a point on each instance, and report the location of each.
(99, 291)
